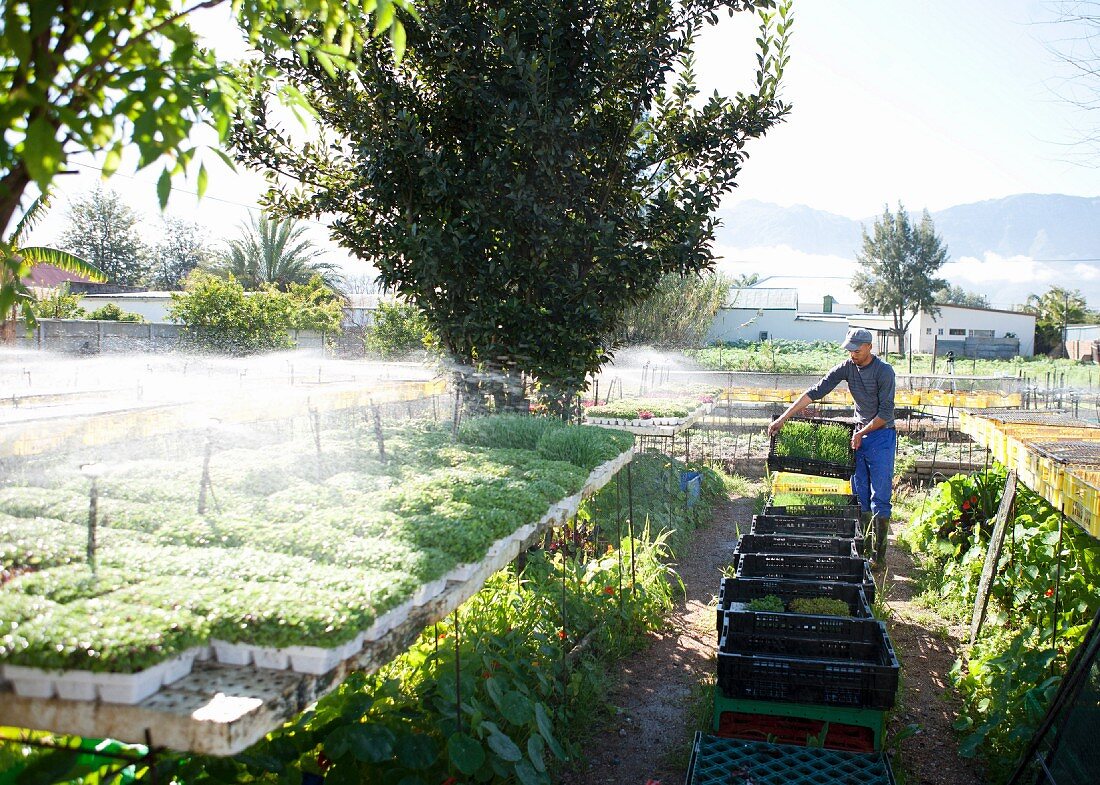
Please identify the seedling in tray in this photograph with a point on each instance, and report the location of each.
(813, 446)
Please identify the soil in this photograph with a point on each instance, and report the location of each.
(661, 696)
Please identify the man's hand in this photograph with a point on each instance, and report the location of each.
(857, 439)
(776, 424)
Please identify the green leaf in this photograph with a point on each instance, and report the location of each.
(527, 774)
(416, 751)
(546, 728)
(516, 708)
(535, 748)
(202, 179)
(397, 38)
(42, 152)
(364, 742)
(164, 188)
(112, 161)
(466, 753)
(500, 744)
(49, 768)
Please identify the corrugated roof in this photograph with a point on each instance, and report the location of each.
(763, 299)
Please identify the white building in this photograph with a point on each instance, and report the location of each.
(969, 332)
(757, 314)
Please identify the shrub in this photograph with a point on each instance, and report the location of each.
(398, 329)
(112, 313)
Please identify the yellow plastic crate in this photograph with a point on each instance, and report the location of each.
(1082, 496)
(789, 482)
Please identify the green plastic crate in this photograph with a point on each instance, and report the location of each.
(717, 761)
(872, 719)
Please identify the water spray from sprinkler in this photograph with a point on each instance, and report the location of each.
(93, 471)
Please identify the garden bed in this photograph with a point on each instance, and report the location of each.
(324, 570)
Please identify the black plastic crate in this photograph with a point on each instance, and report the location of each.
(736, 592)
(778, 669)
(718, 761)
(815, 510)
(814, 569)
(850, 648)
(815, 466)
(806, 526)
(795, 543)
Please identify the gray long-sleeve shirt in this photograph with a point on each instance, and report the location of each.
(872, 388)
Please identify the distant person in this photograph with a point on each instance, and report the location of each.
(950, 356)
(871, 383)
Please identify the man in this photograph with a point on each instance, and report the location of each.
(871, 383)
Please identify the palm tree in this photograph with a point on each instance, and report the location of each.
(15, 269)
(270, 251)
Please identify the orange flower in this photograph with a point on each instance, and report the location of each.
(561, 634)
(608, 589)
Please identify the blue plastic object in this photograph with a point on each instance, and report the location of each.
(691, 483)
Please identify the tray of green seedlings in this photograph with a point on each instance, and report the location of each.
(648, 411)
(790, 604)
(813, 445)
(301, 557)
(829, 505)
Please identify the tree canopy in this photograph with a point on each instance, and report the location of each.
(1054, 310)
(899, 262)
(956, 295)
(103, 229)
(524, 174)
(273, 252)
(98, 75)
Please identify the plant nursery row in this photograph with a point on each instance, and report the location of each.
(302, 548)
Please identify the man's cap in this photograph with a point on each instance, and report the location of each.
(855, 338)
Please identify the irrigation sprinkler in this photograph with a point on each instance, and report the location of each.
(204, 481)
(93, 471)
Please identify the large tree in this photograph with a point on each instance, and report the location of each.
(273, 252)
(899, 261)
(104, 230)
(525, 173)
(94, 76)
(1054, 310)
(181, 247)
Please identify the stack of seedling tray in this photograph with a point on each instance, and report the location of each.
(801, 658)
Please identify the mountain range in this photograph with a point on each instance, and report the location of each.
(1039, 226)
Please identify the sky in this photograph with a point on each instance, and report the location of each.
(932, 103)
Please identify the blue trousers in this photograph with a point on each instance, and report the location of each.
(873, 482)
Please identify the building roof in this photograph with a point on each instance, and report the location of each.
(988, 310)
(763, 299)
(46, 275)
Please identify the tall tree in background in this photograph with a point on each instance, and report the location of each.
(899, 262)
(956, 295)
(97, 75)
(1054, 310)
(677, 314)
(270, 251)
(181, 248)
(104, 230)
(524, 175)
(745, 280)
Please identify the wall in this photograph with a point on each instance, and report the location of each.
(925, 329)
(87, 336)
(151, 308)
(746, 324)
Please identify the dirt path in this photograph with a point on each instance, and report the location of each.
(660, 687)
(662, 692)
(927, 648)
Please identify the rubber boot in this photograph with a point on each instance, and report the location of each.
(865, 530)
(881, 528)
